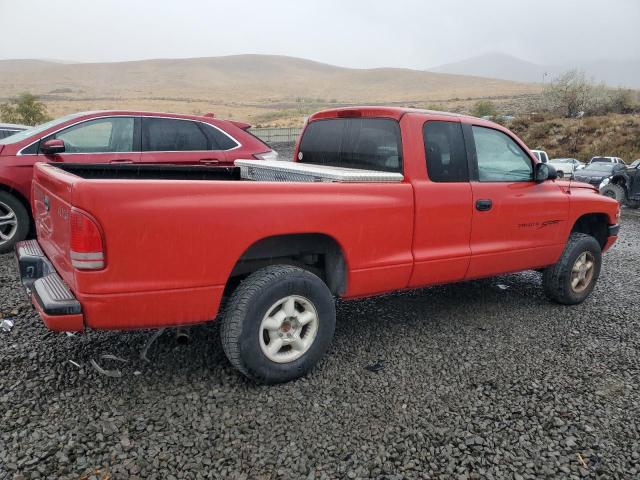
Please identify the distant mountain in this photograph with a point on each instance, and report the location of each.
(260, 89)
(242, 78)
(497, 65)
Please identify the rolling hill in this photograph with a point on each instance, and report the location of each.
(258, 88)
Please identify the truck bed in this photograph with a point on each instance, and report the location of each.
(110, 171)
(250, 170)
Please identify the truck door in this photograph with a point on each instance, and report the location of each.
(443, 210)
(518, 224)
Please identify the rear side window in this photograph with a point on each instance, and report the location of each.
(219, 140)
(172, 135)
(363, 143)
(445, 152)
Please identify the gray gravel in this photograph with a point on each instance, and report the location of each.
(485, 379)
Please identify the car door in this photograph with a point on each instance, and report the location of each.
(113, 139)
(443, 211)
(517, 224)
(179, 141)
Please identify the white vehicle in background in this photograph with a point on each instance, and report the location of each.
(617, 160)
(566, 166)
(541, 155)
(8, 129)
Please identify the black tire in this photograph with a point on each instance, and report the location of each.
(10, 205)
(614, 191)
(557, 279)
(241, 323)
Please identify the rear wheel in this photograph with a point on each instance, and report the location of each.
(614, 191)
(14, 221)
(278, 324)
(573, 278)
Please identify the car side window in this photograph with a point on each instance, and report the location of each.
(219, 140)
(500, 158)
(173, 135)
(445, 152)
(102, 135)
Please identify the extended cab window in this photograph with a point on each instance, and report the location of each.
(500, 158)
(364, 143)
(445, 152)
(102, 135)
(172, 135)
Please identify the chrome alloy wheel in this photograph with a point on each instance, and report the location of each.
(582, 272)
(288, 329)
(8, 223)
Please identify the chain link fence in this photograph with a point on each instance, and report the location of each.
(277, 135)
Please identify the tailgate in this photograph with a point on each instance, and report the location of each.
(51, 203)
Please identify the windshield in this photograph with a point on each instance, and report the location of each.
(18, 137)
(600, 159)
(561, 160)
(601, 167)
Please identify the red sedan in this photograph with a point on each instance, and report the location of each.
(113, 137)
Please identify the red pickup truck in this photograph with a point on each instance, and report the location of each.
(380, 199)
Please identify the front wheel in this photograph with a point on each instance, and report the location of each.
(573, 278)
(278, 324)
(14, 221)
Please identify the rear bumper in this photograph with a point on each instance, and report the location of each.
(55, 303)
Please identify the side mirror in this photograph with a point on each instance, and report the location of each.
(52, 146)
(544, 171)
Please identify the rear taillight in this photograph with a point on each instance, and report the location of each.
(270, 155)
(86, 249)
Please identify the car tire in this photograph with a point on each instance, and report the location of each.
(568, 282)
(614, 191)
(278, 324)
(14, 222)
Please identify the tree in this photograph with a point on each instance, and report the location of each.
(26, 109)
(572, 95)
(484, 108)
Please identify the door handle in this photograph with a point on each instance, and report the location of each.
(484, 205)
(209, 161)
(121, 161)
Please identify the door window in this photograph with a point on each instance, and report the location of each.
(500, 158)
(102, 135)
(445, 152)
(173, 135)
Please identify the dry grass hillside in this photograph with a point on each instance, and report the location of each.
(582, 138)
(261, 89)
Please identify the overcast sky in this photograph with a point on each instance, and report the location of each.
(352, 33)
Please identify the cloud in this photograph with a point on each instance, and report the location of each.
(356, 33)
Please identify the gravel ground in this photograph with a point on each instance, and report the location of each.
(485, 379)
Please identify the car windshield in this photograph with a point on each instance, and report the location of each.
(18, 137)
(600, 159)
(601, 167)
(561, 160)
